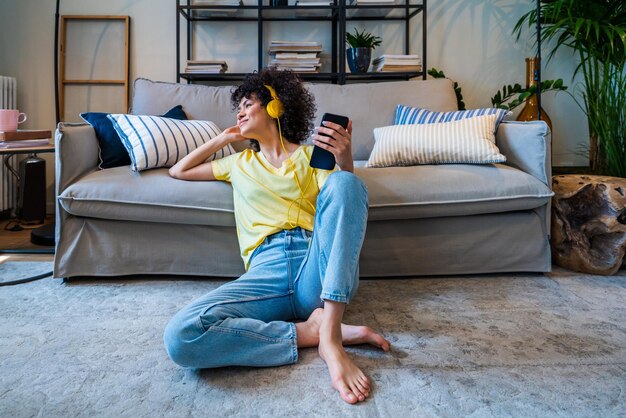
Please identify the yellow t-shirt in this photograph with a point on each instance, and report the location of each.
(264, 195)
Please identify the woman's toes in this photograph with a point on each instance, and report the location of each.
(363, 389)
(359, 394)
(349, 397)
(364, 381)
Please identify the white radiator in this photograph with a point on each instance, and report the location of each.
(8, 182)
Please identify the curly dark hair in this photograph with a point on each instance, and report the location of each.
(296, 123)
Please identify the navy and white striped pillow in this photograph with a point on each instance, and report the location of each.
(407, 115)
(153, 141)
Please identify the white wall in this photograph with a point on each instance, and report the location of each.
(470, 40)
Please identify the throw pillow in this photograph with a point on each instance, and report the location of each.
(469, 141)
(153, 141)
(112, 151)
(406, 115)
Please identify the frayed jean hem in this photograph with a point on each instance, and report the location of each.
(335, 298)
(294, 343)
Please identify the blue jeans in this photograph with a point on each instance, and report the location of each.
(248, 322)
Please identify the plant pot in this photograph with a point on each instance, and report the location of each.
(359, 59)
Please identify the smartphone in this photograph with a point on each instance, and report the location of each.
(325, 159)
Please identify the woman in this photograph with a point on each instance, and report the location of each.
(291, 272)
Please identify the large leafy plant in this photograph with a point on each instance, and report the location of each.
(362, 39)
(596, 31)
(506, 98)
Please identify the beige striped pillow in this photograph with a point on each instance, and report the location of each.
(469, 141)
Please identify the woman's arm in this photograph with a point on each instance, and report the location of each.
(339, 143)
(193, 165)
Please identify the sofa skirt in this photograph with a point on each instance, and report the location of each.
(490, 243)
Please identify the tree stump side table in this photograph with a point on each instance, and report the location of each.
(588, 232)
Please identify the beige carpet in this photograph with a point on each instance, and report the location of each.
(499, 345)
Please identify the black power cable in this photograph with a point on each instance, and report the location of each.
(27, 279)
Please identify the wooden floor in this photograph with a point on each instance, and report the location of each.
(15, 236)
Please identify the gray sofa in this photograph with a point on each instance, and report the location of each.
(423, 220)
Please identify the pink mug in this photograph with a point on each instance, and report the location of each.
(9, 119)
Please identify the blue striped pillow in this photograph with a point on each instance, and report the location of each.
(153, 141)
(406, 115)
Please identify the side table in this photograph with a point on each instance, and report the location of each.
(588, 232)
(39, 236)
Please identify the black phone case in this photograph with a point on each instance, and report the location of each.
(325, 159)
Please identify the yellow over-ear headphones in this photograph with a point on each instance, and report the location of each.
(275, 107)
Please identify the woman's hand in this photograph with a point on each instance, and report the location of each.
(338, 142)
(233, 134)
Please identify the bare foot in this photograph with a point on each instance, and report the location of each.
(308, 333)
(346, 377)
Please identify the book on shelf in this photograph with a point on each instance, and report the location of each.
(398, 57)
(296, 55)
(206, 66)
(26, 143)
(289, 46)
(301, 69)
(204, 71)
(296, 43)
(206, 62)
(22, 134)
(296, 62)
(397, 62)
(398, 68)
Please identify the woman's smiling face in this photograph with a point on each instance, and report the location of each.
(252, 118)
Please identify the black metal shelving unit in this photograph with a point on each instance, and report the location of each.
(338, 14)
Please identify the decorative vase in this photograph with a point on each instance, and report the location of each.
(359, 59)
(531, 108)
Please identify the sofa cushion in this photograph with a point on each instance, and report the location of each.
(407, 115)
(428, 191)
(394, 193)
(112, 151)
(469, 141)
(154, 142)
(151, 196)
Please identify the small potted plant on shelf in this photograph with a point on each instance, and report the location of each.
(360, 52)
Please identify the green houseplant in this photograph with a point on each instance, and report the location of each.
(596, 31)
(505, 98)
(360, 52)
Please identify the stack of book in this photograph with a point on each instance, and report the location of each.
(206, 67)
(24, 139)
(299, 57)
(401, 63)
